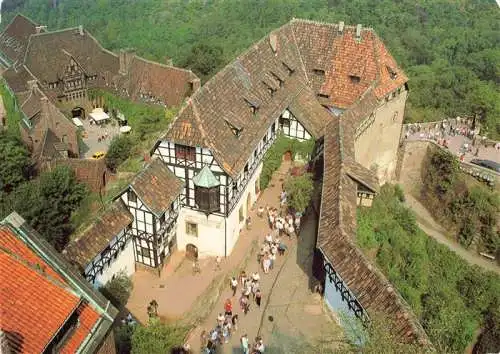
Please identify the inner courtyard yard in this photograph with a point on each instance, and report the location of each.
(290, 314)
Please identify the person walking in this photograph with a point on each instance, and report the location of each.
(228, 308)
(234, 321)
(244, 344)
(234, 285)
(218, 261)
(258, 297)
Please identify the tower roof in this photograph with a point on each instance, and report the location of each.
(205, 178)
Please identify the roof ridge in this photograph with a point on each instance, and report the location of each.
(329, 24)
(137, 57)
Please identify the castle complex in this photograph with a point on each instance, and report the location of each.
(331, 83)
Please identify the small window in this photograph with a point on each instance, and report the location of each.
(185, 152)
(355, 79)
(323, 95)
(241, 214)
(279, 79)
(319, 72)
(145, 252)
(284, 122)
(191, 229)
(288, 69)
(207, 199)
(131, 196)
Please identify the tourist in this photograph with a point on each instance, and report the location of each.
(269, 238)
(266, 263)
(259, 345)
(243, 278)
(255, 277)
(226, 332)
(234, 321)
(218, 261)
(255, 288)
(228, 308)
(290, 230)
(249, 222)
(272, 259)
(244, 344)
(271, 220)
(248, 289)
(297, 222)
(203, 340)
(258, 297)
(282, 198)
(220, 319)
(245, 304)
(234, 285)
(260, 211)
(282, 248)
(279, 226)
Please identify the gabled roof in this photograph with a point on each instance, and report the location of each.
(337, 230)
(205, 178)
(48, 52)
(39, 292)
(17, 78)
(168, 84)
(289, 68)
(157, 187)
(94, 239)
(88, 171)
(14, 39)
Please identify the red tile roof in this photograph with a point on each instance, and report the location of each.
(35, 301)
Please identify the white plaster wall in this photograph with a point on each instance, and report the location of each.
(377, 147)
(211, 239)
(125, 261)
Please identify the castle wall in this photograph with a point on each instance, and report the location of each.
(376, 148)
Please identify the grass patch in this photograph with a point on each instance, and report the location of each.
(14, 115)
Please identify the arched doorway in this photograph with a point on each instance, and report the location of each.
(78, 112)
(191, 251)
(249, 204)
(287, 156)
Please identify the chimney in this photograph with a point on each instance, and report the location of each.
(126, 56)
(40, 29)
(169, 61)
(358, 32)
(80, 30)
(341, 27)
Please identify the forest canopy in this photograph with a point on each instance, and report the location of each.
(449, 49)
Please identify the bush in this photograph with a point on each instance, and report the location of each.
(157, 338)
(119, 151)
(118, 289)
(299, 191)
(451, 298)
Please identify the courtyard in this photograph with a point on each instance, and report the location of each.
(97, 138)
(290, 313)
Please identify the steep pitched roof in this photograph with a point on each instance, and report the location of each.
(249, 94)
(94, 239)
(168, 84)
(17, 78)
(157, 186)
(14, 39)
(337, 229)
(46, 53)
(88, 171)
(343, 66)
(39, 292)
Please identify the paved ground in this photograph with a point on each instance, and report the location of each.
(456, 144)
(296, 312)
(177, 275)
(436, 231)
(94, 132)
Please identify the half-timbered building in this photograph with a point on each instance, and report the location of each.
(153, 199)
(335, 84)
(104, 248)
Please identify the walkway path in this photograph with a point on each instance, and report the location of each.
(436, 231)
(285, 291)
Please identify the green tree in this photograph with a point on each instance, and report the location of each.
(118, 289)
(15, 162)
(299, 191)
(204, 60)
(157, 338)
(119, 150)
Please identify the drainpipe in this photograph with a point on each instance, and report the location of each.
(225, 223)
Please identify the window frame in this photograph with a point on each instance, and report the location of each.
(190, 226)
(131, 197)
(185, 152)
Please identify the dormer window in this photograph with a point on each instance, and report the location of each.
(184, 152)
(355, 79)
(323, 95)
(270, 89)
(254, 107)
(392, 73)
(319, 72)
(288, 68)
(207, 191)
(235, 130)
(280, 81)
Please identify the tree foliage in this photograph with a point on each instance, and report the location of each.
(299, 191)
(451, 298)
(449, 49)
(471, 211)
(118, 151)
(15, 162)
(47, 203)
(157, 338)
(118, 289)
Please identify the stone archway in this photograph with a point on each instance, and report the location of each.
(78, 112)
(191, 251)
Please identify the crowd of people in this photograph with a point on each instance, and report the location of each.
(246, 288)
